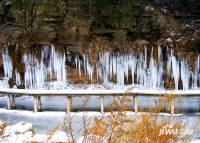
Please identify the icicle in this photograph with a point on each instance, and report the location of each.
(185, 74)
(50, 68)
(160, 68)
(145, 83)
(36, 73)
(17, 77)
(153, 70)
(7, 64)
(195, 74)
(132, 67)
(169, 65)
(175, 70)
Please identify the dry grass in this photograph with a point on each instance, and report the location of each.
(74, 76)
(2, 128)
(119, 127)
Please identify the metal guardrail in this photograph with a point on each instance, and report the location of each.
(11, 93)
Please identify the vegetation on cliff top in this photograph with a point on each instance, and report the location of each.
(129, 19)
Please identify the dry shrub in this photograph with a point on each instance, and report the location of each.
(71, 129)
(2, 130)
(2, 127)
(51, 132)
(152, 127)
(68, 127)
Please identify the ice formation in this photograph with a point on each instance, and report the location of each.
(142, 69)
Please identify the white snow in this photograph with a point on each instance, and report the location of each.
(23, 132)
(37, 138)
(195, 141)
(59, 136)
(17, 133)
(16, 138)
(19, 128)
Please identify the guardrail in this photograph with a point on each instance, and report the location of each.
(11, 93)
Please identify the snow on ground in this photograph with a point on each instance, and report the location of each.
(43, 122)
(195, 141)
(23, 133)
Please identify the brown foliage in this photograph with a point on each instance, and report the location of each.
(2, 127)
(119, 127)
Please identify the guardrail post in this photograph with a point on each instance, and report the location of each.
(37, 104)
(69, 104)
(135, 102)
(172, 106)
(11, 102)
(102, 104)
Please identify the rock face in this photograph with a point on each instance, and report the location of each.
(149, 20)
(45, 33)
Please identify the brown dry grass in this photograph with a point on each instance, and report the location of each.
(119, 127)
(2, 127)
(76, 78)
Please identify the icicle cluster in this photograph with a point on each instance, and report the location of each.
(134, 67)
(143, 73)
(50, 65)
(7, 64)
(122, 68)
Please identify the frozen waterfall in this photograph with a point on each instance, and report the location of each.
(50, 67)
(144, 70)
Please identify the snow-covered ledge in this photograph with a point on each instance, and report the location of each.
(143, 92)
